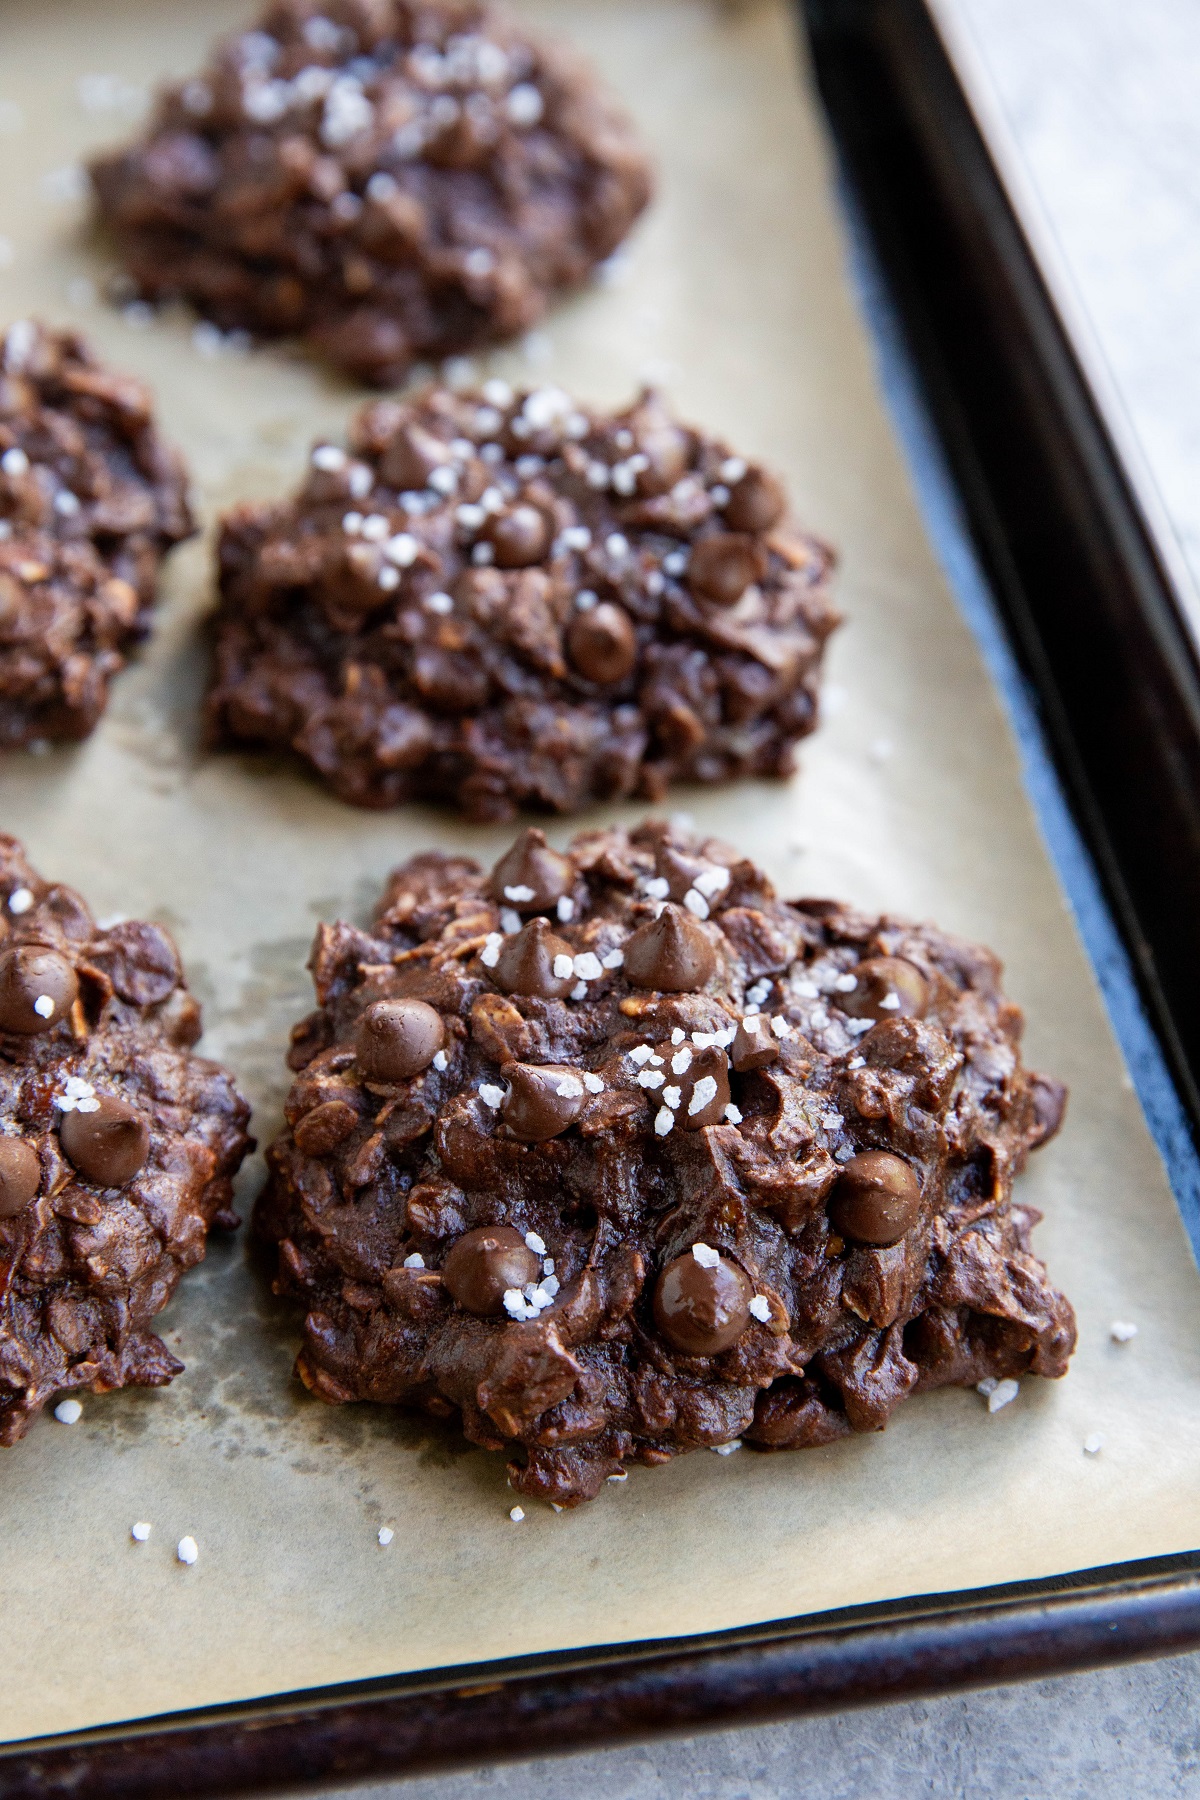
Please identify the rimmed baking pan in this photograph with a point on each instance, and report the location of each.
(967, 770)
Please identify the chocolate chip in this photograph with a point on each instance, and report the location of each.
(533, 866)
(702, 1309)
(483, 1265)
(602, 643)
(20, 1175)
(678, 871)
(526, 964)
(888, 988)
(670, 953)
(320, 1131)
(723, 566)
(755, 1046)
(397, 1039)
(107, 1146)
(140, 960)
(1049, 1104)
(37, 988)
(411, 457)
(877, 1199)
(666, 450)
(520, 538)
(756, 502)
(542, 1100)
(704, 1089)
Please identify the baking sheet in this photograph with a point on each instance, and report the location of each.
(734, 293)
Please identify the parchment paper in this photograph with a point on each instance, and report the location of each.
(735, 293)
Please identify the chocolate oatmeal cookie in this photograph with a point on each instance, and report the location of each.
(117, 1145)
(610, 1154)
(501, 600)
(90, 501)
(388, 179)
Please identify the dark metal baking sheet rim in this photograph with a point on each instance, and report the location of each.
(536, 1706)
(1038, 530)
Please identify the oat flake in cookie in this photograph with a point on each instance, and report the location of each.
(657, 1162)
(90, 501)
(390, 181)
(117, 1145)
(502, 600)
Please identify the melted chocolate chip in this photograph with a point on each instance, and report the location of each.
(704, 1089)
(1049, 1105)
(670, 953)
(107, 1146)
(484, 1264)
(756, 502)
(520, 538)
(396, 1039)
(411, 456)
(723, 566)
(20, 1175)
(602, 643)
(320, 1131)
(677, 869)
(542, 1100)
(888, 988)
(702, 1310)
(527, 961)
(533, 866)
(877, 1199)
(667, 454)
(755, 1046)
(38, 987)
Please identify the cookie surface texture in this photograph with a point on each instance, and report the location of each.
(389, 182)
(91, 499)
(685, 1164)
(118, 1145)
(503, 601)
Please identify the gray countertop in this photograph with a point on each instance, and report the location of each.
(1122, 1734)
(1097, 101)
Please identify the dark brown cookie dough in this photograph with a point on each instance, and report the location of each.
(117, 1145)
(389, 180)
(90, 501)
(501, 600)
(684, 1164)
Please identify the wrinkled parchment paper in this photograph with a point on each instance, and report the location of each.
(734, 294)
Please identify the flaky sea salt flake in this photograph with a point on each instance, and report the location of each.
(703, 1094)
